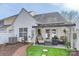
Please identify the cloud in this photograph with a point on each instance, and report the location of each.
(67, 6)
(74, 6)
(60, 5)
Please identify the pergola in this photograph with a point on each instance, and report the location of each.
(69, 25)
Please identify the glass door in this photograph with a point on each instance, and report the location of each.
(23, 33)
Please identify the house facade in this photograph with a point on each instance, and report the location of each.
(28, 26)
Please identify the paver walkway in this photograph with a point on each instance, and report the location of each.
(9, 49)
(21, 51)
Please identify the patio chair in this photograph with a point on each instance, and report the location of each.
(54, 42)
(39, 39)
(41, 42)
(62, 40)
(48, 42)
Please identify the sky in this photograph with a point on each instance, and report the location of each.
(9, 9)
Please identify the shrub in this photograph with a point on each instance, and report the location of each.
(55, 37)
(68, 45)
(74, 35)
(64, 31)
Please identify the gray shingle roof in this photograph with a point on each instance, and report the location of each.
(48, 18)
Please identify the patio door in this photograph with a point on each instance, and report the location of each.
(23, 33)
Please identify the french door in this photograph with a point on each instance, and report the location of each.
(23, 33)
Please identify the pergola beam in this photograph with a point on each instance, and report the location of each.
(54, 25)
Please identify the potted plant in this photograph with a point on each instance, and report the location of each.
(74, 40)
(55, 37)
(55, 40)
(68, 45)
(74, 35)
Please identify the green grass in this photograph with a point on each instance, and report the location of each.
(37, 51)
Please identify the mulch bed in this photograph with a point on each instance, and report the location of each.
(9, 49)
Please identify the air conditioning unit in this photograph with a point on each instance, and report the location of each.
(12, 39)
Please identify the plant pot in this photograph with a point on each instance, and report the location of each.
(54, 42)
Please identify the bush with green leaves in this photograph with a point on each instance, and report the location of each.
(68, 45)
(55, 37)
(74, 35)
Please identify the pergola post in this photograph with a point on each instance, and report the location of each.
(34, 39)
(71, 36)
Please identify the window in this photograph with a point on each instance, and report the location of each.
(22, 32)
(20, 29)
(20, 35)
(25, 29)
(54, 31)
(47, 33)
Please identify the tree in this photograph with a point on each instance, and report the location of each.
(72, 15)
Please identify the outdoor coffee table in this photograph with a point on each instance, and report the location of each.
(44, 52)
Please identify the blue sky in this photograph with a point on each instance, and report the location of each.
(12, 9)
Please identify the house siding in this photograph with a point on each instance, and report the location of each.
(4, 36)
(24, 20)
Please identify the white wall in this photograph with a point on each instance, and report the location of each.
(24, 20)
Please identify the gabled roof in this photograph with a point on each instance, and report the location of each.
(10, 19)
(48, 18)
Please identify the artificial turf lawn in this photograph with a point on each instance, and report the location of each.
(37, 51)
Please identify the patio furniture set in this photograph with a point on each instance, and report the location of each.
(53, 41)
